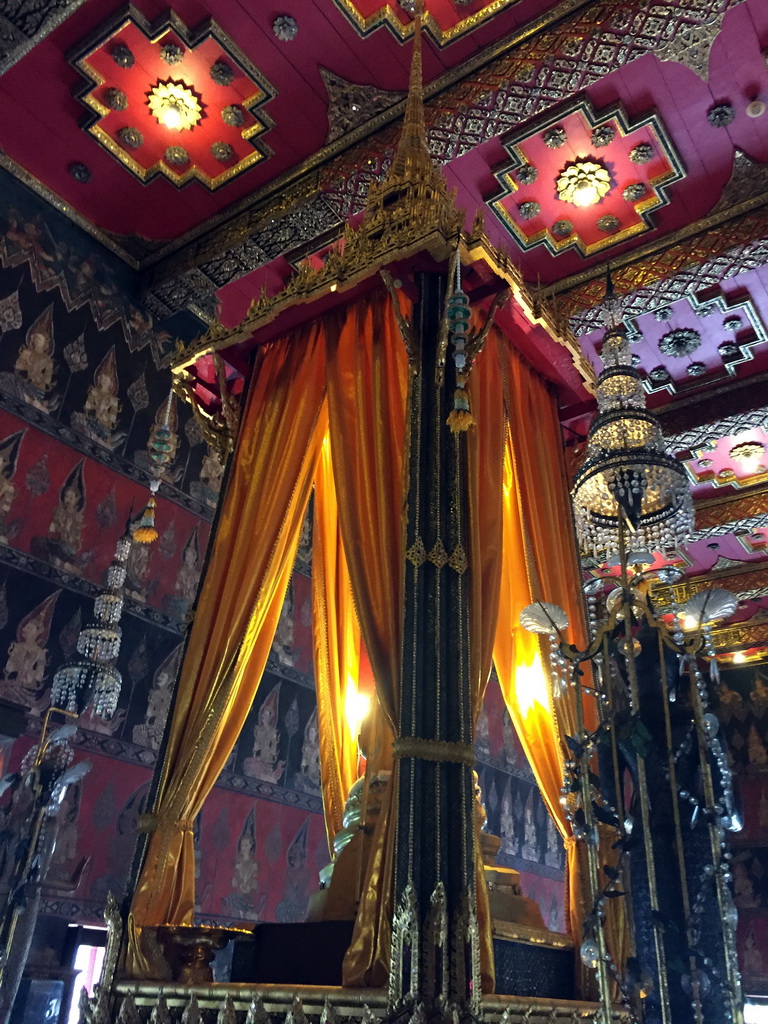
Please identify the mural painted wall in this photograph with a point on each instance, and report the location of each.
(83, 383)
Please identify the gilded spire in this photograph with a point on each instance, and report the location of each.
(412, 152)
(412, 162)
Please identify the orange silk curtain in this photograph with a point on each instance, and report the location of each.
(336, 647)
(367, 398)
(539, 537)
(236, 616)
(538, 563)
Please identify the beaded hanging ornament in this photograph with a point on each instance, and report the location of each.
(160, 452)
(460, 417)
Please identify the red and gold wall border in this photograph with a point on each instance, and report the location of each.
(230, 92)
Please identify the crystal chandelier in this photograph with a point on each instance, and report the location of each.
(93, 678)
(628, 480)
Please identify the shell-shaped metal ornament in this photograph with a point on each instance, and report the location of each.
(593, 586)
(709, 606)
(543, 617)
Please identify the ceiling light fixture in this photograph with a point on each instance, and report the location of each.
(583, 183)
(175, 106)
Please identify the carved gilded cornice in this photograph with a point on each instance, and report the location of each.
(665, 269)
(740, 581)
(731, 508)
(578, 38)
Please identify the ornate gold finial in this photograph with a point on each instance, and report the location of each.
(412, 153)
(412, 165)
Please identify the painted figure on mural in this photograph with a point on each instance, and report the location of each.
(509, 739)
(507, 833)
(752, 956)
(482, 733)
(309, 774)
(35, 367)
(744, 895)
(554, 844)
(756, 752)
(100, 413)
(298, 879)
(24, 675)
(304, 550)
(66, 869)
(728, 698)
(246, 901)
(263, 763)
(149, 733)
(65, 532)
(138, 582)
(208, 488)
(759, 694)
(530, 847)
(187, 579)
(9, 457)
(762, 816)
(282, 645)
(30, 239)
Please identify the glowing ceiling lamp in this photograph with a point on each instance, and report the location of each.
(583, 183)
(175, 106)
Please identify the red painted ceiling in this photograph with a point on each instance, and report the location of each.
(40, 115)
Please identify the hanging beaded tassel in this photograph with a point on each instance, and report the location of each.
(160, 449)
(460, 417)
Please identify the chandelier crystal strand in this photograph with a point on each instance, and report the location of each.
(627, 473)
(93, 679)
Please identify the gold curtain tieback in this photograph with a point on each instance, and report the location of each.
(163, 823)
(434, 750)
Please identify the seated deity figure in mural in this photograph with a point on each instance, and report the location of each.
(98, 419)
(530, 848)
(9, 455)
(24, 674)
(282, 645)
(309, 774)
(263, 763)
(35, 366)
(65, 532)
(149, 733)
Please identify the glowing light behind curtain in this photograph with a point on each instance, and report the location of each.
(485, 457)
(336, 649)
(539, 535)
(252, 557)
(538, 563)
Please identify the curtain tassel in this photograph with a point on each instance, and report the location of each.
(145, 532)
